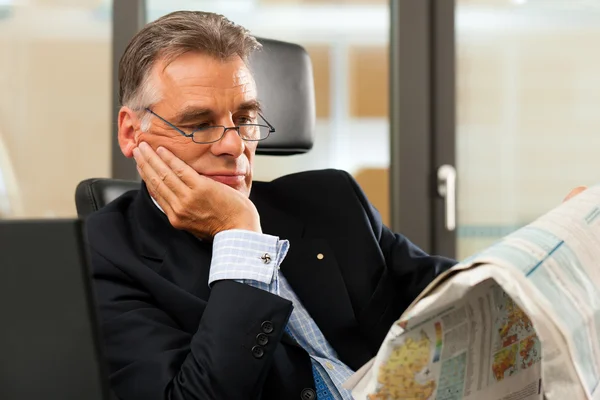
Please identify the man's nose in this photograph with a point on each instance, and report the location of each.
(230, 144)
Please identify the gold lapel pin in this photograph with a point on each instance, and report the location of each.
(320, 256)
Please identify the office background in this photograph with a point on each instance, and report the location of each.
(506, 91)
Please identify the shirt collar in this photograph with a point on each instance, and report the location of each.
(157, 205)
(160, 208)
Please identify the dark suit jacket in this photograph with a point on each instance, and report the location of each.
(168, 336)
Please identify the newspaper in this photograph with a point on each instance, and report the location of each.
(519, 320)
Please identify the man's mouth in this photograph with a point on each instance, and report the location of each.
(229, 180)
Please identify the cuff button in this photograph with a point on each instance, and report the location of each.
(262, 339)
(267, 327)
(258, 352)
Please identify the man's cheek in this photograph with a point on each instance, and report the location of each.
(143, 137)
(174, 145)
(192, 154)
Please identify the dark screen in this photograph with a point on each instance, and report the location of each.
(48, 346)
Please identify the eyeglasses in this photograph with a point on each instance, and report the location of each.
(214, 133)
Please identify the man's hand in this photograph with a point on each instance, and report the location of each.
(193, 202)
(575, 192)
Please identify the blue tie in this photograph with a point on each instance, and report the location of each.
(323, 392)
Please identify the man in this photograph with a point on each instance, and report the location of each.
(208, 290)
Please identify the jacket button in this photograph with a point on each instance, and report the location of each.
(267, 327)
(262, 339)
(308, 394)
(258, 352)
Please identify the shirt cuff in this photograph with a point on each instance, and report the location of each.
(245, 255)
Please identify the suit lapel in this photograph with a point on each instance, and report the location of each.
(187, 264)
(153, 232)
(312, 271)
(178, 256)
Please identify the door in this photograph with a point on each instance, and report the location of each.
(422, 123)
(498, 115)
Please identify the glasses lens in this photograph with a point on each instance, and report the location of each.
(254, 132)
(208, 135)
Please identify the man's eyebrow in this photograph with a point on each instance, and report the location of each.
(250, 105)
(194, 114)
(188, 115)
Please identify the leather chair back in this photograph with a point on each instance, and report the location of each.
(93, 194)
(284, 80)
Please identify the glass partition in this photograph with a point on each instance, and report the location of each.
(528, 89)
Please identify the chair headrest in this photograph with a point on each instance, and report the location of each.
(284, 80)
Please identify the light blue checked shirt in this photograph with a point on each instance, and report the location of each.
(237, 255)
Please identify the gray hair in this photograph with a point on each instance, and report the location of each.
(168, 38)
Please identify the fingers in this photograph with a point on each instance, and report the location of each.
(575, 192)
(164, 204)
(184, 172)
(158, 176)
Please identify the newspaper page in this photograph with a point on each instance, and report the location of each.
(520, 320)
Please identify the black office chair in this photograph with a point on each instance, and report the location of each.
(283, 74)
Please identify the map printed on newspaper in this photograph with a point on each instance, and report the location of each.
(517, 321)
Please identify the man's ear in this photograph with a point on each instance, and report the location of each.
(128, 125)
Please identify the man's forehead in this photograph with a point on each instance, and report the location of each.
(197, 70)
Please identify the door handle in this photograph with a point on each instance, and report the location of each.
(446, 186)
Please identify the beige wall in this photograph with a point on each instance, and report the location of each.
(375, 183)
(321, 61)
(369, 81)
(54, 113)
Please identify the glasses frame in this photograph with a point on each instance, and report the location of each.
(225, 129)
